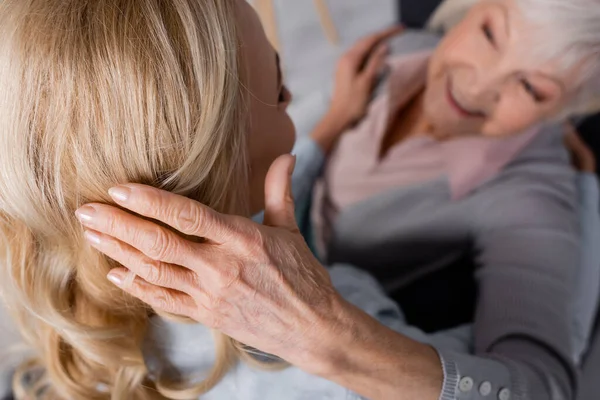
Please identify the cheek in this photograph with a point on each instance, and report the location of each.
(436, 107)
(510, 118)
(279, 134)
(272, 135)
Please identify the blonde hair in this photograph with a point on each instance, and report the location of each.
(96, 93)
(565, 30)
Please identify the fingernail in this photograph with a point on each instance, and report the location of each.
(120, 193)
(92, 237)
(86, 214)
(115, 278)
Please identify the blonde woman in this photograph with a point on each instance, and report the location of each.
(185, 95)
(461, 152)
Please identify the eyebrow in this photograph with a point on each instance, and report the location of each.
(279, 75)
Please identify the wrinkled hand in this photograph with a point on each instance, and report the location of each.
(258, 284)
(356, 75)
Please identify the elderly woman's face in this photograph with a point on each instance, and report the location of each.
(482, 78)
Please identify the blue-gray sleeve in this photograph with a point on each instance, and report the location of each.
(309, 162)
(588, 282)
(528, 240)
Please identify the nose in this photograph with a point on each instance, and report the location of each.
(484, 86)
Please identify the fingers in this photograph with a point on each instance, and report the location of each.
(375, 63)
(361, 50)
(159, 298)
(158, 273)
(185, 215)
(279, 202)
(156, 242)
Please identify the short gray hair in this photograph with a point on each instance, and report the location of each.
(569, 31)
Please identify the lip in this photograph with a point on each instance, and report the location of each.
(463, 112)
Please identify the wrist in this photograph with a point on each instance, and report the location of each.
(357, 352)
(329, 129)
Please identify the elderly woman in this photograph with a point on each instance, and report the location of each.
(457, 154)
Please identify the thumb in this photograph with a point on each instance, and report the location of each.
(279, 202)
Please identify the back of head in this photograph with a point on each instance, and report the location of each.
(96, 93)
(567, 31)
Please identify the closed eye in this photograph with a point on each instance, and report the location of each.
(487, 31)
(539, 98)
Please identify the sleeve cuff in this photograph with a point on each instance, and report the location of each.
(468, 377)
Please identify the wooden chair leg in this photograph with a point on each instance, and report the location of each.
(266, 12)
(327, 21)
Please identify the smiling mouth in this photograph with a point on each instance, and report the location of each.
(462, 111)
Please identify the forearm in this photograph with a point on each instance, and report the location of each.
(361, 354)
(329, 129)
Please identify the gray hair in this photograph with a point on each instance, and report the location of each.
(569, 31)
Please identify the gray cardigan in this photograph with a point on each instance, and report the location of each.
(524, 227)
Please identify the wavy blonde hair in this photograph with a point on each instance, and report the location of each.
(96, 93)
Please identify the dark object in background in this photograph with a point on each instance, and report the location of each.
(590, 132)
(443, 299)
(415, 13)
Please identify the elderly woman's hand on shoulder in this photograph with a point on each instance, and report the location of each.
(357, 73)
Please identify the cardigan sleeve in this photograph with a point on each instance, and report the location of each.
(528, 244)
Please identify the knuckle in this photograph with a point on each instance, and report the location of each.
(159, 246)
(188, 218)
(163, 301)
(111, 224)
(138, 291)
(123, 252)
(254, 242)
(150, 271)
(152, 203)
(195, 283)
(215, 303)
